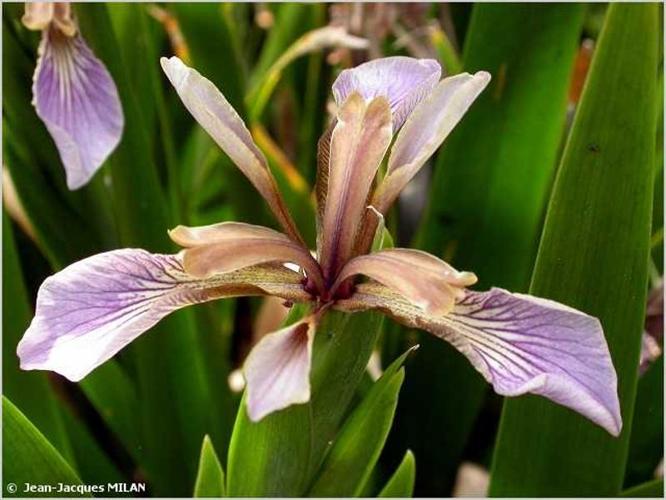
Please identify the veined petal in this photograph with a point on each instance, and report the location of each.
(358, 144)
(214, 113)
(230, 246)
(278, 369)
(76, 98)
(421, 278)
(402, 81)
(425, 130)
(520, 344)
(93, 308)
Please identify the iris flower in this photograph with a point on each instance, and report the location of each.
(73, 93)
(521, 344)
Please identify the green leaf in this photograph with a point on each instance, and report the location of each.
(651, 489)
(401, 484)
(593, 256)
(356, 449)
(279, 455)
(28, 457)
(210, 477)
(490, 187)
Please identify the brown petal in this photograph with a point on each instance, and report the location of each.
(224, 231)
(228, 246)
(214, 113)
(421, 278)
(358, 144)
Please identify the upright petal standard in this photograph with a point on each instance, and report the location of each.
(90, 310)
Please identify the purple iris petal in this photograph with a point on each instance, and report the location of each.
(526, 344)
(77, 100)
(520, 344)
(93, 308)
(403, 81)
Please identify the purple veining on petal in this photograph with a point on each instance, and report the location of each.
(403, 81)
(78, 102)
(91, 309)
(520, 344)
(526, 344)
(278, 369)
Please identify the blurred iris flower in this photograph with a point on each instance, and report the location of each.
(73, 93)
(521, 344)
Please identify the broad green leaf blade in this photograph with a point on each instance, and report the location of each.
(30, 390)
(356, 448)
(278, 455)
(489, 191)
(401, 483)
(210, 477)
(651, 489)
(593, 256)
(28, 457)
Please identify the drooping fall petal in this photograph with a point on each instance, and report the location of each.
(425, 130)
(78, 102)
(421, 278)
(402, 81)
(91, 309)
(520, 344)
(278, 369)
(358, 144)
(229, 246)
(214, 113)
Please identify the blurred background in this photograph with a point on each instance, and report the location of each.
(480, 204)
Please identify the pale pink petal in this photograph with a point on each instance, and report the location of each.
(229, 246)
(38, 15)
(93, 308)
(278, 369)
(425, 130)
(520, 344)
(217, 117)
(186, 236)
(76, 98)
(402, 81)
(358, 144)
(421, 278)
